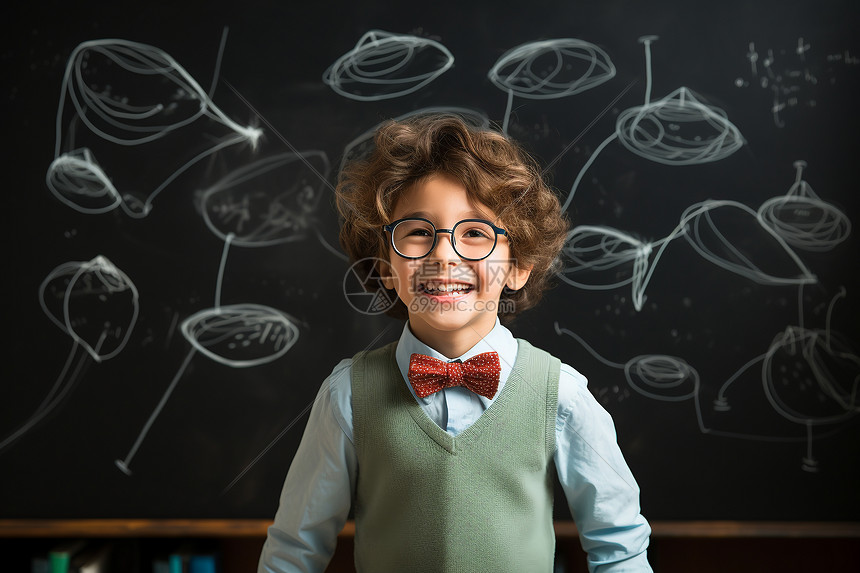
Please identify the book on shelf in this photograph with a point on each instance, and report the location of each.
(95, 558)
(187, 558)
(39, 564)
(60, 556)
(106, 556)
(160, 565)
(74, 556)
(203, 563)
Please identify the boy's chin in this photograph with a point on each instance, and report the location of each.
(449, 321)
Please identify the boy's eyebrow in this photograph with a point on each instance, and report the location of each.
(426, 215)
(422, 214)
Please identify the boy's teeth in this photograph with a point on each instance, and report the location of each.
(433, 287)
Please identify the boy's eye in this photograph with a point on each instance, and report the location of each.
(475, 234)
(420, 233)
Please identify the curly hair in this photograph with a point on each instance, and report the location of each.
(495, 171)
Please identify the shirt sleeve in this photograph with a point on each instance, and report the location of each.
(601, 492)
(317, 493)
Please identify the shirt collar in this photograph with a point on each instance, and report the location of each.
(498, 340)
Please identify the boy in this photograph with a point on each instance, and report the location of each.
(443, 443)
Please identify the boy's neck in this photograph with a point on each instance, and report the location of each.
(450, 344)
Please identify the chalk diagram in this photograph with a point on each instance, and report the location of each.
(237, 335)
(271, 201)
(383, 65)
(603, 258)
(97, 305)
(803, 219)
(678, 129)
(126, 98)
(266, 203)
(810, 377)
(682, 130)
(550, 69)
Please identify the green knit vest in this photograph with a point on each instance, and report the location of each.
(478, 501)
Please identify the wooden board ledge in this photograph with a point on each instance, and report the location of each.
(257, 528)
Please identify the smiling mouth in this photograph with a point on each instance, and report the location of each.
(436, 288)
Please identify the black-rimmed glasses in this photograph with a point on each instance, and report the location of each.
(472, 239)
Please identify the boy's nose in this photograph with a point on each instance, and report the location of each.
(444, 249)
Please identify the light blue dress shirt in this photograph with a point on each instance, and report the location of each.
(318, 492)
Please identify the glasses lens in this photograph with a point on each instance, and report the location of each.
(474, 239)
(413, 237)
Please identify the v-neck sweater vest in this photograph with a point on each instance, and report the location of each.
(478, 501)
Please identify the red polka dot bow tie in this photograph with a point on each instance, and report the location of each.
(480, 374)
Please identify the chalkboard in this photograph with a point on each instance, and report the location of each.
(176, 291)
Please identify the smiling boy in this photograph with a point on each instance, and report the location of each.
(444, 442)
(451, 288)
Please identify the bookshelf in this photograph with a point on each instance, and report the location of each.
(675, 546)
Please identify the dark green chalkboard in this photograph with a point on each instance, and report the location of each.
(708, 153)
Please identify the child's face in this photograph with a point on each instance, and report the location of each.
(452, 302)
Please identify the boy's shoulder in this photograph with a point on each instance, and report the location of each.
(341, 376)
(336, 391)
(388, 348)
(564, 365)
(522, 342)
(572, 384)
(338, 382)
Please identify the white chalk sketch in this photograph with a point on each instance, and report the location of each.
(383, 65)
(361, 147)
(549, 69)
(712, 241)
(271, 201)
(809, 377)
(679, 129)
(241, 335)
(97, 305)
(803, 219)
(797, 80)
(293, 198)
(603, 258)
(238, 336)
(123, 94)
(656, 376)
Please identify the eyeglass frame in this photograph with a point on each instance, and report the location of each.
(497, 230)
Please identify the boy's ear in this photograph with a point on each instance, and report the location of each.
(518, 277)
(385, 274)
